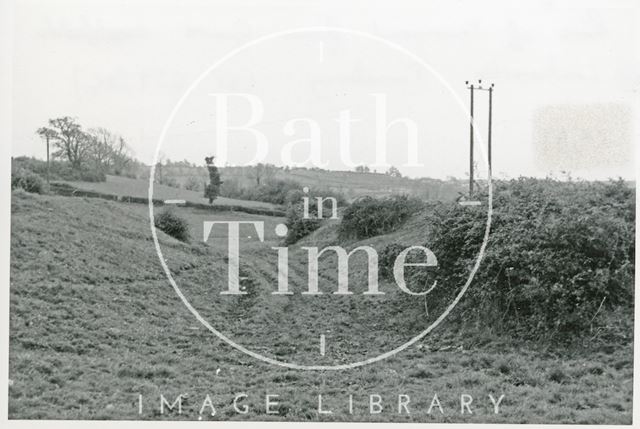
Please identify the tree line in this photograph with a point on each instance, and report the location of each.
(95, 149)
(392, 171)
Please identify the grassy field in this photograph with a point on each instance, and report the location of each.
(94, 323)
(124, 186)
(348, 183)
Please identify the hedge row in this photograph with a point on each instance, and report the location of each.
(68, 190)
(558, 256)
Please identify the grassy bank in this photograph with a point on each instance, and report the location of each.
(94, 324)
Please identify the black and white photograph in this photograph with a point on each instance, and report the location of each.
(337, 212)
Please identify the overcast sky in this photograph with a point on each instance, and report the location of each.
(566, 75)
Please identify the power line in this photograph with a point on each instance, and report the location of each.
(473, 88)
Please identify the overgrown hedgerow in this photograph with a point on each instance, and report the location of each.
(297, 225)
(28, 181)
(387, 259)
(368, 216)
(275, 191)
(58, 170)
(169, 222)
(559, 254)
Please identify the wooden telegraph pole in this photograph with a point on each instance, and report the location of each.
(489, 132)
(473, 88)
(471, 129)
(47, 134)
(48, 168)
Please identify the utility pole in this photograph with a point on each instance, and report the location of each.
(47, 133)
(471, 143)
(47, 137)
(489, 132)
(473, 88)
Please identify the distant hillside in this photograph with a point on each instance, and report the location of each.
(349, 183)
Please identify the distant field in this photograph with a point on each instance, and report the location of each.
(94, 323)
(348, 183)
(117, 185)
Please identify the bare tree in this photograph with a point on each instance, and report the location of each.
(121, 156)
(70, 141)
(109, 151)
(101, 148)
(393, 172)
(263, 172)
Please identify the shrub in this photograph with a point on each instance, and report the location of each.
(29, 181)
(368, 217)
(170, 223)
(231, 188)
(387, 259)
(64, 171)
(193, 184)
(87, 175)
(557, 252)
(169, 181)
(419, 277)
(275, 191)
(297, 225)
(58, 170)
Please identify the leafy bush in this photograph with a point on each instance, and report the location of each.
(58, 170)
(558, 253)
(297, 225)
(419, 277)
(387, 259)
(170, 181)
(170, 223)
(231, 188)
(275, 191)
(86, 175)
(368, 217)
(193, 184)
(64, 171)
(29, 181)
